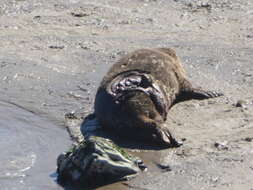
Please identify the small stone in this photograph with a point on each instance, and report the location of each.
(183, 139)
(81, 12)
(70, 115)
(37, 17)
(241, 103)
(5, 78)
(249, 139)
(56, 46)
(164, 168)
(205, 5)
(214, 179)
(78, 14)
(221, 145)
(141, 165)
(124, 22)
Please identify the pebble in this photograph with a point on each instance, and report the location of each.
(81, 12)
(164, 168)
(249, 139)
(56, 46)
(241, 103)
(70, 115)
(221, 145)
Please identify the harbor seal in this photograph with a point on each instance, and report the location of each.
(136, 94)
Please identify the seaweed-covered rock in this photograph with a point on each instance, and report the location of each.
(94, 161)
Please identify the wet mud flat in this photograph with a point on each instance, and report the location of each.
(53, 55)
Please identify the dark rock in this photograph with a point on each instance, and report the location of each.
(164, 168)
(70, 115)
(56, 47)
(249, 139)
(81, 12)
(221, 145)
(241, 103)
(95, 161)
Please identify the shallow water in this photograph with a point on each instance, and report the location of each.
(29, 147)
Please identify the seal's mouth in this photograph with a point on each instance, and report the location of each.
(126, 83)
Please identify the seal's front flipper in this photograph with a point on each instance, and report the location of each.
(165, 138)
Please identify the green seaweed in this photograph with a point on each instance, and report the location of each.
(121, 151)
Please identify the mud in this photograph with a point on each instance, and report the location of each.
(54, 54)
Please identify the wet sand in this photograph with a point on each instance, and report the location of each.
(53, 55)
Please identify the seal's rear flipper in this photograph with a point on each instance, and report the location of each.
(196, 93)
(200, 94)
(188, 92)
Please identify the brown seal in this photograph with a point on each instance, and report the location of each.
(136, 94)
